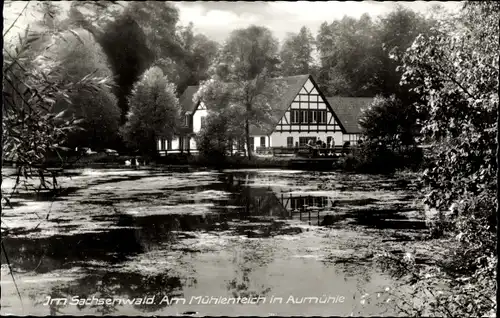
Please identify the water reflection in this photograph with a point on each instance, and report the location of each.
(123, 288)
(43, 255)
(135, 256)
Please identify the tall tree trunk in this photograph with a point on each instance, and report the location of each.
(247, 136)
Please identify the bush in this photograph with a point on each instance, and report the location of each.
(456, 73)
(216, 137)
(374, 156)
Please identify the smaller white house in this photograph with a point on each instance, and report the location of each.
(194, 119)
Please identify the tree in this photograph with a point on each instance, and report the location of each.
(354, 53)
(158, 20)
(144, 34)
(154, 111)
(192, 66)
(456, 74)
(246, 63)
(346, 53)
(79, 56)
(221, 131)
(296, 53)
(388, 120)
(124, 43)
(32, 84)
(395, 33)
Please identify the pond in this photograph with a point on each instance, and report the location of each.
(231, 242)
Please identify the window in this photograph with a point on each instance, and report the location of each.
(203, 122)
(308, 116)
(162, 144)
(296, 116)
(303, 116)
(186, 120)
(289, 142)
(262, 141)
(322, 117)
(169, 144)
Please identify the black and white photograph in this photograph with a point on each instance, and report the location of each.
(261, 158)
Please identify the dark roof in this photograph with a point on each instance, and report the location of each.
(186, 100)
(348, 110)
(281, 102)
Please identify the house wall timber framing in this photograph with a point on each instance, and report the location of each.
(308, 114)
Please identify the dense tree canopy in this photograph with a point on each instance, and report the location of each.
(296, 53)
(125, 44)
(354, 53)
(456, 73)
(79, 55)
(390, 121)
(154, 111)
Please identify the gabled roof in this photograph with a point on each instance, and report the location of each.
(348, 110)
(281, 102)
(186, 100)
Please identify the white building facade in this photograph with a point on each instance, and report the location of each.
(301, 114)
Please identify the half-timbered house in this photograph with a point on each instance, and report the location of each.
(301, 113)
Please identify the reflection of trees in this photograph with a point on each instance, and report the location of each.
(47, 254)
(125, 285)
(251, 256)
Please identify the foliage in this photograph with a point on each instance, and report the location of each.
(154, 111)
(248, 52)
(78, 55)
(395, 33)
(158, 20)
(31, 88)
(241, 78)
(192, 66)
(139, 35)
(346, 53)
(296, 53)
(456, 74)
(223, 124)
(215, 138)
(124, 43)
(390, 121)
(354, 53)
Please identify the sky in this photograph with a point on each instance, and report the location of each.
(218, 19)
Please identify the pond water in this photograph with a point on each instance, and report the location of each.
(114, 237)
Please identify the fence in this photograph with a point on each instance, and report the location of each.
(288, 151)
